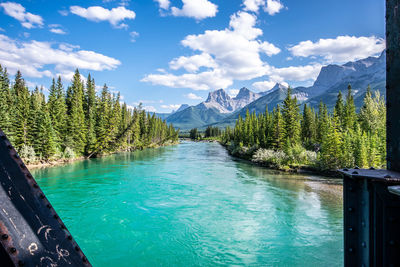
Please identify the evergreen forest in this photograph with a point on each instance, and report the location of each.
(288, 138)
(75, 122)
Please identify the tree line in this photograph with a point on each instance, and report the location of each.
(325, 140)
(76, 122)
(209, 133)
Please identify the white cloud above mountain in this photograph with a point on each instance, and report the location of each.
(263, 86)
(193, 63)
(171, 106)
(114, 16)
(18, 12)
(193, 96)
(230, 54)
(340, 49)
(37, 59)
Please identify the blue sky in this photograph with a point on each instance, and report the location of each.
(164, 53)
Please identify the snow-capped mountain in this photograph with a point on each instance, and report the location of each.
(220, 109)
(222, 102)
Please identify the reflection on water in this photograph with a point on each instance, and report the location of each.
(191, 205)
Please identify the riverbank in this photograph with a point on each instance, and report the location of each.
(193, 204)
(59, 162)
(255, 156)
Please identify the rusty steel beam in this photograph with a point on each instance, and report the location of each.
(393, 83)
(31, 232)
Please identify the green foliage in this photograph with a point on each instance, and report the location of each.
(194, 134)
(27, 153)
(326, 141)
(212, 132)
(78, 122)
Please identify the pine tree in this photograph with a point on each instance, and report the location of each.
(5, 108)
(278, 129)
(339, 110)
(308, 127)
(323, 123)
(350, 115)
(21, 115)
(58, 111)
(90, 114)
(76, 137)
(291, 118)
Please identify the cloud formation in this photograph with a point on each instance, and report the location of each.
(56, 28)
(164, 4)
(198, 9)
(341, 49)
(34, 58)
(133, 36)
(18, 12)
(225, 55)
(193, 96)
(114, 16)
(272, 7)
(171, 106)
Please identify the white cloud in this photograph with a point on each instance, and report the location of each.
(164, 4)
(341, 49)
(17, 11)
(33, 58)
(233, 92)
(273, 7)
(63, 12)
(193, 63)
(198, 9)
(57, 31)
(2, 30)
(67, 47)
(253, 5)
(172, 106)
(193, 96)
(32, 85)
(97, 13)
(295, 73)
(263, 86)
(133, 36)
(150, 109)
(201, 81)
(56, 28)
(230, 54)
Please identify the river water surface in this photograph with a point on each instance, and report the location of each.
(194, 205)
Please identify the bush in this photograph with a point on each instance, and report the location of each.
(270, 157)
(69, 153)
(28, 154)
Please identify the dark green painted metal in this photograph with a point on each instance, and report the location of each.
(31, 233)
(371, 218)
(393, 83)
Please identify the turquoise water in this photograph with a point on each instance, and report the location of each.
(194, 205)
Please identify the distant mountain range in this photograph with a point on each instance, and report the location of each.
(221, 110)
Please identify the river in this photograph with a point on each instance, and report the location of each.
(194, 205)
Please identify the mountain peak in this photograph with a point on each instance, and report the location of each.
(243, 92)
(182, 107)
(218, 95)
